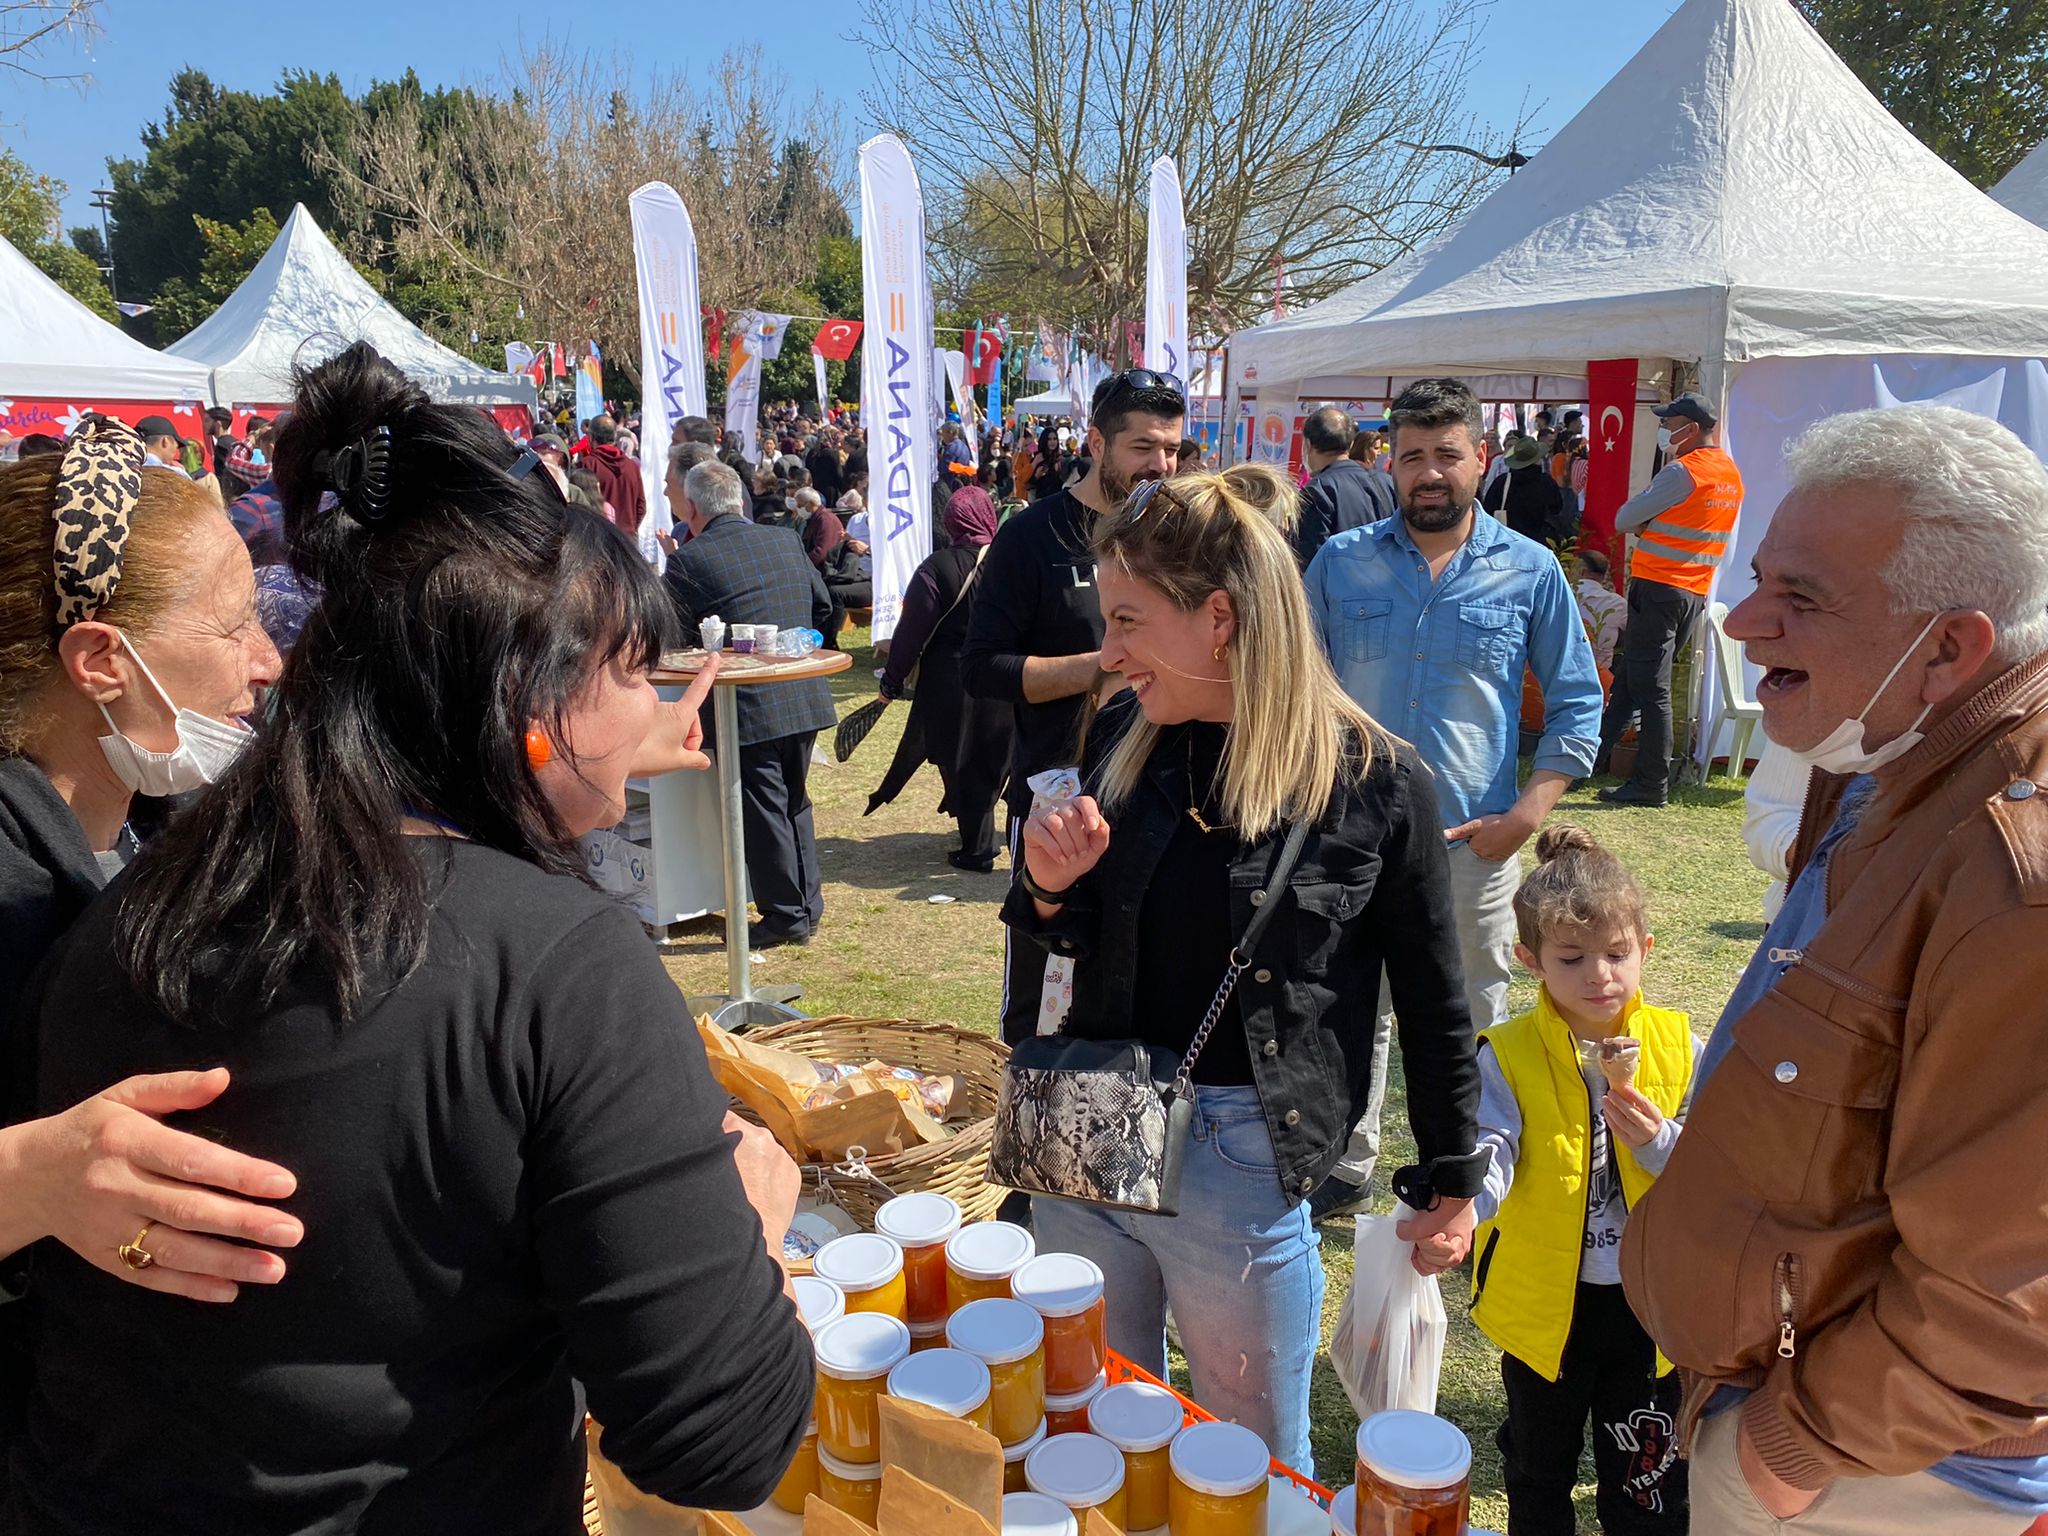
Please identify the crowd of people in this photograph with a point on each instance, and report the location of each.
(450, 1163)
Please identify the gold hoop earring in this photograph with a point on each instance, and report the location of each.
(1217, 654)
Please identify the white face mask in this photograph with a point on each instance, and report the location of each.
(206, 746)
(1842, 750)
(1663, 439)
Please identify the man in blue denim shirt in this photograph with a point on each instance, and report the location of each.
(1430, 619)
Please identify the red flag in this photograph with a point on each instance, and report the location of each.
(836, 340)
(984, 351)
(558, 360)
(1134, 342)
(714, 330)
(1610, 439)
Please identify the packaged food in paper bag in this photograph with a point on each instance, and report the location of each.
(950, 1454)
(821, 1519)
(913, 1507)
(818, 1110)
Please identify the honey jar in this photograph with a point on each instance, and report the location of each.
(1140, 1420)
(921, 1225)
(1414, 1475)
(818, 1302)
(1218, 1483)
(1008, 1338)
(1033, 1514)
(855, 1356)
(924, 1336)
(852, 1487)
(801, 1478)
(949, 1380)
(1066, 1290)
(868, 1269)
(1066, 1413)
(1014, 1457)
(980, 1259)
(1083, 1472)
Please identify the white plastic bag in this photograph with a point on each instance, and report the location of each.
(1389, 1344)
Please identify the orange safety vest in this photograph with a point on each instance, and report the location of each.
(1680, 548)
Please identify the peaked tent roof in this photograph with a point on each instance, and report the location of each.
(1732, 193)
(2025, 187)
(53, 347)
(305, 302)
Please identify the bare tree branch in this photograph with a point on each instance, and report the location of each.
(26, 26)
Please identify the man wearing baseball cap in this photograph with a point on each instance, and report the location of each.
(161, 445)
(1684, 527)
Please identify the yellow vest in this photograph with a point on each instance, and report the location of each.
(1527, 1273)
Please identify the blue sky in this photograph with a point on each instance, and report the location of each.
(1553, 57)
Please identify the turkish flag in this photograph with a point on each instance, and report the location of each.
(984, 353)
(558, 360)
(714, 330)
(1610, 440)
(836, 340)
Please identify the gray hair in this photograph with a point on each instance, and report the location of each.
(1976, 503)
(713, 489)
(686, 454)
(809, 498)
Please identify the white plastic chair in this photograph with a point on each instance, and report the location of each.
(1737, 708)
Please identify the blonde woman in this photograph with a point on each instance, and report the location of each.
(1233, 728)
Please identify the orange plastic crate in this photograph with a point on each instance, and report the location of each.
(1119, 1369)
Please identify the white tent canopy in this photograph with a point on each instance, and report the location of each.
(305, 302)
(1053, 402)
(1732, 193)
(53, 348)
(2025, 187)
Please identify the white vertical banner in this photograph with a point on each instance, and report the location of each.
(818, 368)
(1166, 274)
(743, 400)
(955, 365)
(671, 342)
(897, 378)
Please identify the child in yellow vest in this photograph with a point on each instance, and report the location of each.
(1576, 1140)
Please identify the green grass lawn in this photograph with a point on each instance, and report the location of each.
(888, 949)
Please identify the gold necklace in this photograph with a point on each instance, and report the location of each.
(1195, 814)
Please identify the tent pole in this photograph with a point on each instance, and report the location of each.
(1226, 416)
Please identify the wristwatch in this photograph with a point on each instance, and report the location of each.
(1038, 892)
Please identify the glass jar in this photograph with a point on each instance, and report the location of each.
(1014, 1457)
(1218, 1486)
(1033, 1514)
(1344, 1512)
(801, 1478)
(1414, 1475)
(855, 1356)
(1083, 1472)
(868, 1269)
(980, 1260)
(818, 1301)
(851, 1487)
(1008, 1338)
(1066, 1290)
(1066, 1413)
(949, 1380)
(921, 1226)
(927, 1336)
(1140, 1420)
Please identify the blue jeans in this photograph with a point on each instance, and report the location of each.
(1239, 1265)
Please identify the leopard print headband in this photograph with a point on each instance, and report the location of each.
(98, 485)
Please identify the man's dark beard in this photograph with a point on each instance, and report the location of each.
(1114, 488)
(1434, 519)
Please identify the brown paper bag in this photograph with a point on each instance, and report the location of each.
(821, 1519)
(711, 1522)
(950, 1454)
(913, 1507)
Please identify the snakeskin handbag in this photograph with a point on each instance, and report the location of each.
(1106, 1122)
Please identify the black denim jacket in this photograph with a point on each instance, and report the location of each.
(1372, 889)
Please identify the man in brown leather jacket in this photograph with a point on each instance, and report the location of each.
(1848, 1253)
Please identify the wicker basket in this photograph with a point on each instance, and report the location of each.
(957, 1166)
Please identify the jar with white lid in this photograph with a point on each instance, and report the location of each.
(1083, 1472)
(950, 1380)
(1014, 1457)
(1067, 1291)
(855, 1356)
(1033, 1514)
(1141, 1420)
(1414, 1475)
(1218, 1486)
(981, 1257)
(800, 1477)
(868, 1269)
(852, 1487)
(1344, 1512)
(1066, 1413)
(818, 1300)
(1009, 1338)
(921, 1225)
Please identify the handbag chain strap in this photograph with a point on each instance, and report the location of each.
(1241, 957)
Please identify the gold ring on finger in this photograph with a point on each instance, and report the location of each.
(134, 1255)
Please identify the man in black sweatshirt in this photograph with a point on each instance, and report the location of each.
(1035, 637)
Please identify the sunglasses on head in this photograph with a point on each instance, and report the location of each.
(1138, 380)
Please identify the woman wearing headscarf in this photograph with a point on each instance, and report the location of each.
(966, 739)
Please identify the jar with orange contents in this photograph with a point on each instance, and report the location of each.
(1014, 1457)
(921, 1226)
(1008, 1338)
(1066, 1413)
(1066, 1290)
(851, 1487)
(801, 1478)
(1414, 1475)
(855, 1356)
(1218, 1482)
(1083, 1472)
(818, 1302)
(868, 1269)
(1140, 1420)
(980, 1260)
(949, 1380)
(926, 1336)
(1033, 1514)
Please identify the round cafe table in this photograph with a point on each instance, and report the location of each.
(734, 673)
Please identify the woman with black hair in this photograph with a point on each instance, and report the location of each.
(513, 1166)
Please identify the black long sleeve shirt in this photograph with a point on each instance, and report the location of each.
(513, 1179)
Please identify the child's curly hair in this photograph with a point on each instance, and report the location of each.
(1576, 884)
